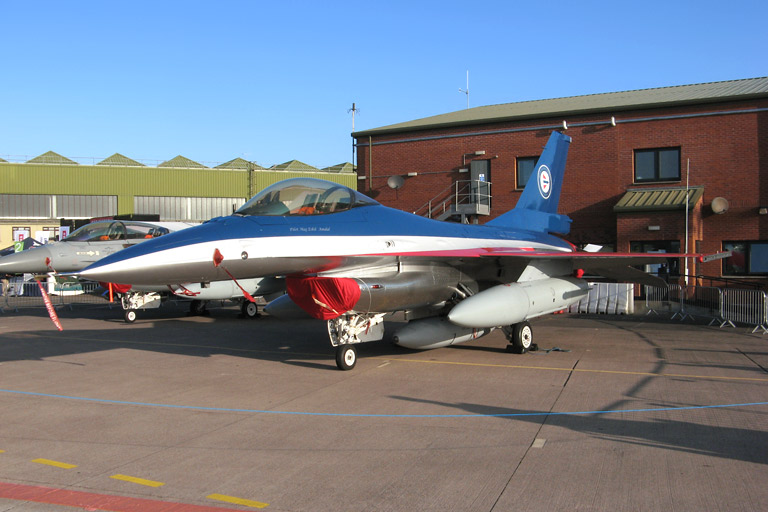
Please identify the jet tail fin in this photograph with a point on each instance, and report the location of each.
(536, 210)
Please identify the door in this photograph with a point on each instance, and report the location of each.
(480, 174)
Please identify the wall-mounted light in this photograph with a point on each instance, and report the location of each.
(412, 174)
(654, 228)
(763, 210)
(360, 178)
(478, 153)
(565, 125)
(463, 169)
(613, 121)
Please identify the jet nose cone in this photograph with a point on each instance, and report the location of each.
(31, 261)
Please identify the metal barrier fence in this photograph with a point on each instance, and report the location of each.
(17, 294)
(745, 306)
(724, 306)
(608, 299)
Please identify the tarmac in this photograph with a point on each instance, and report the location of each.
(181, 413)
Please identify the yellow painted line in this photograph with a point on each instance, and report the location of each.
(54, 463)
(135, 480)
(237, 501)
(615, 372)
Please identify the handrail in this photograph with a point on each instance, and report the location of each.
(459, 192)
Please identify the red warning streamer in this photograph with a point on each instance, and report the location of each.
(217, 259)
(49, 307)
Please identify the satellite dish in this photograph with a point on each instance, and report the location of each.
(395, 182)
(719, 205)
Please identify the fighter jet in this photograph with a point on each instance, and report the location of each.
(349, 260)
(96, 240)
(84, 246)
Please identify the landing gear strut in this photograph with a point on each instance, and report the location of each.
(347, 330)
(198, 307)
(520, 337)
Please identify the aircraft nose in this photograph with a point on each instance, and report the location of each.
(31, 261)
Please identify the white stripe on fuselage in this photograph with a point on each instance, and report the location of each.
(308, 246)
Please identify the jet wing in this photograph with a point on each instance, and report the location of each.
(618, 266)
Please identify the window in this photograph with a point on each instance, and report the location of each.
(20, 233)
(525, 166)
(670, 267)
(657, 165)
(749, 258)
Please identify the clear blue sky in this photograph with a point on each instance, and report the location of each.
(273, 81)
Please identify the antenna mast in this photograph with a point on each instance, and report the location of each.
(354, 110)
(466, 91)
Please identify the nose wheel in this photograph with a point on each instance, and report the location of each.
(346, 357)
(130, 316)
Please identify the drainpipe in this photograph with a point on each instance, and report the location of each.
(370, 163)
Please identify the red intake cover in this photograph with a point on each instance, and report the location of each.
(117, 288)
(323, 297)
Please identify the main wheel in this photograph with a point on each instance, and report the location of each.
(346, 357)
(249, 309)
(130, 316)
(521, 340)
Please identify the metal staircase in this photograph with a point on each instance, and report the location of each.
(459, 201)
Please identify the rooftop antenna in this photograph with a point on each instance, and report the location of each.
(466, 91)
(354, 110)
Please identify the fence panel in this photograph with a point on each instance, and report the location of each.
(745, 306)
(607, 298)
(662, 299)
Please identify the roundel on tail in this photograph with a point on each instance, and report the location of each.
(544, 178)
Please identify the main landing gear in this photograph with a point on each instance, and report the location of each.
(249, 309)
(520, 337)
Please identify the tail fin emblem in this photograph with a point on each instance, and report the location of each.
(545, 181)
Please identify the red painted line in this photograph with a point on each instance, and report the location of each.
(93, 501)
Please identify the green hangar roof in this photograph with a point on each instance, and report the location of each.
(239, 163)
(118, 160)
(52, 158)
(593, 103)
(182, 162)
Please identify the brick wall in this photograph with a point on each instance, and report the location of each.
(728, 156)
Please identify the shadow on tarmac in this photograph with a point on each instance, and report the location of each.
(670, 434)
(174, 331)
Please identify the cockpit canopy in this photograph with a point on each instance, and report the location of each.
(115, 230)
(303, 196)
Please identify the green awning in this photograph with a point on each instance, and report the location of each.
(658, 199)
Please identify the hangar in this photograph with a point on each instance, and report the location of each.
(39, 193)
(661, 169)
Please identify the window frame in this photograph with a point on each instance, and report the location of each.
(518, 185)
(727, 265)
(657, 165)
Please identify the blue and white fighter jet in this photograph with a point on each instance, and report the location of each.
(349, 260)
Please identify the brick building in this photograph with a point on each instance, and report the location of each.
(633, 157)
